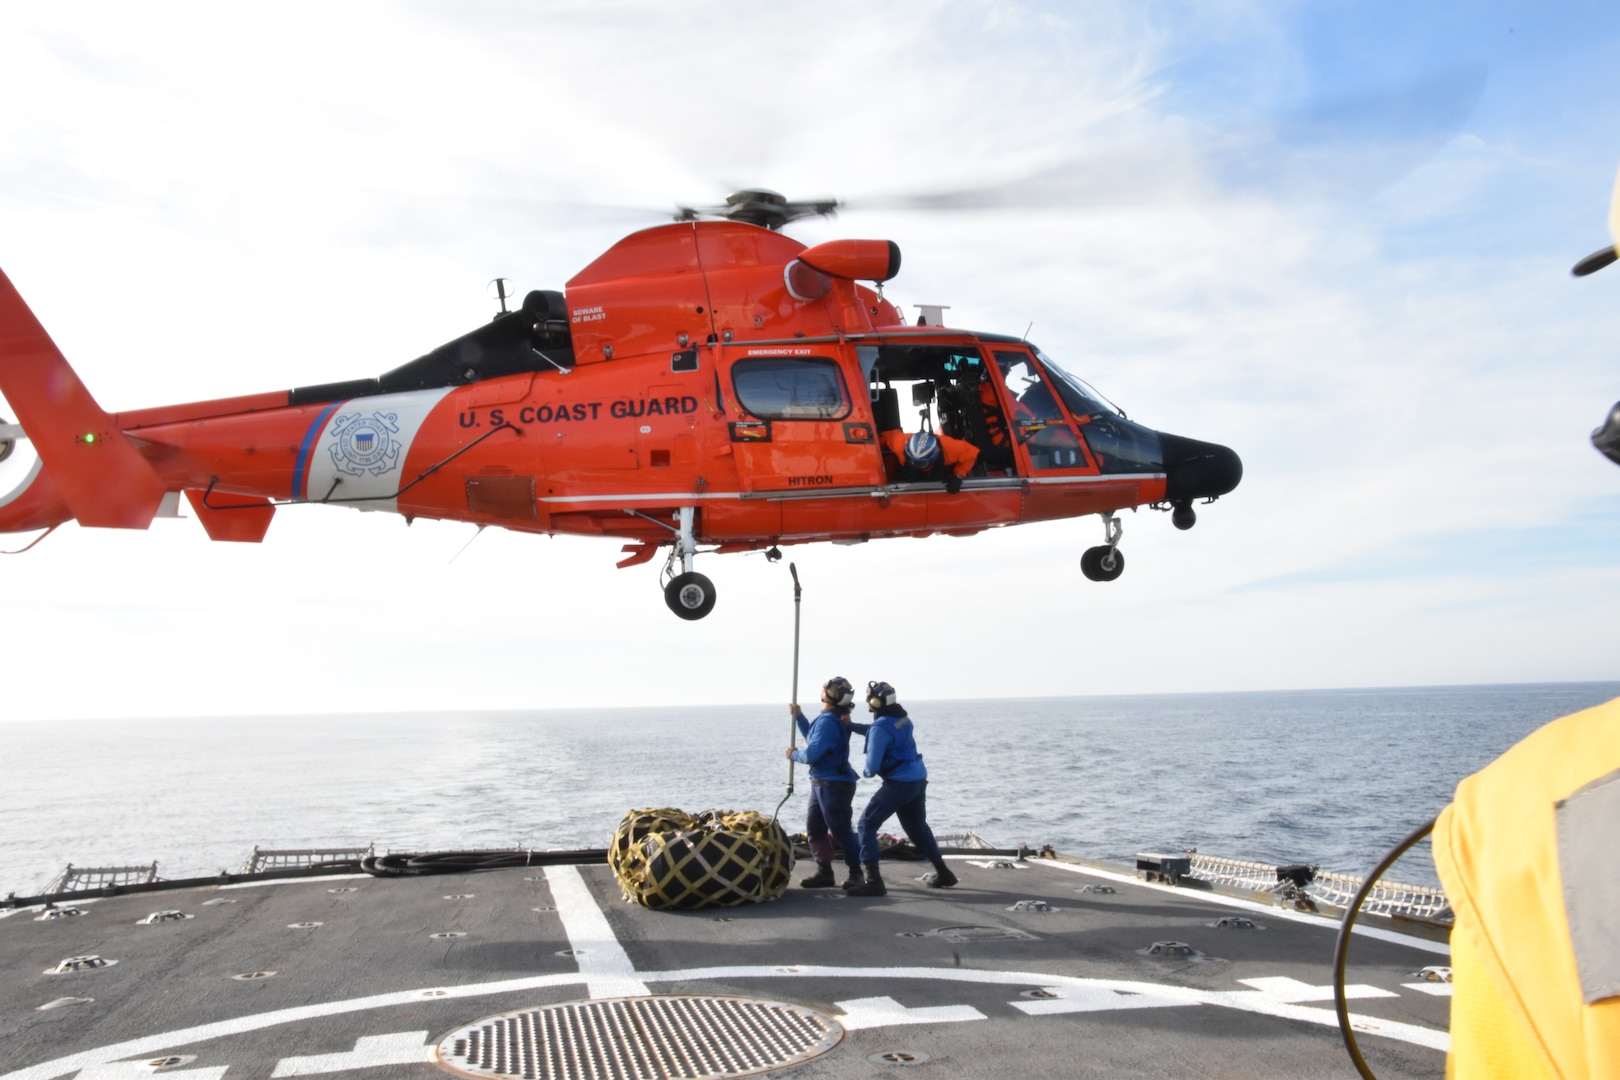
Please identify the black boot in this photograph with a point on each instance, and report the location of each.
(855, 876)
(872, 886)
(941, 878)
(822, 879)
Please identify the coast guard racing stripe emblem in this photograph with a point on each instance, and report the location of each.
(363, 444)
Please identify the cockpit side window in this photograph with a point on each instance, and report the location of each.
(1118, 445)
(1032, 400)
(1041, 426)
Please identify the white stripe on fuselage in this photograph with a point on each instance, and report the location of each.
(774, 495)
(33, 474)
(362, 449)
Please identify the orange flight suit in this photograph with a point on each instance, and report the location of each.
(959, 454)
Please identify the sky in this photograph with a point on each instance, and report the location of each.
(1333, 236)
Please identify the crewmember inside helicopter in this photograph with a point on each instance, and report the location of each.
(995, 424)
(971, 411)
(943, 382)
(925, 457)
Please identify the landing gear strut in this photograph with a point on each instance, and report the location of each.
(1105, 562)
(688, 594)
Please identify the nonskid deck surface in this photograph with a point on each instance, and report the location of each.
(366, 976)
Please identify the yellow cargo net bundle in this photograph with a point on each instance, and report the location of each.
(671, 859)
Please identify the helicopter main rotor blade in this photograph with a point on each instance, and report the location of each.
(1337, 150)
(1595, 261)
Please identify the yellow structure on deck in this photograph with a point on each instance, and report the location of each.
(1528, 857)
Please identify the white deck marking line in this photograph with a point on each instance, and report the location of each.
(166, 1040)
(886, 1012)
(294, 881)
(1432, 1038)
(1243, 1000)
(140, 1070)
(1246, 1000)
(1069, 999)
(1293, 991)
(401, 1048)
(1249, 905)
(1437, 989)
(602, 960)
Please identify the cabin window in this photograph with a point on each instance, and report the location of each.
(797, 388)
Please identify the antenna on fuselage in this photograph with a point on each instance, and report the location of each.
(500, 293)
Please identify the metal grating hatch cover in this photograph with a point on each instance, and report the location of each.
(640, 1037)
(964, 935)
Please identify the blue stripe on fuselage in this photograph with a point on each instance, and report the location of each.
(300, 466)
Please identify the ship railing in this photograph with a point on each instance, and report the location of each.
(1386, 898)
(968, 839)
(264, 859)
(86, 878)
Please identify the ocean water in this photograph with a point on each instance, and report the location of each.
(1333, 777)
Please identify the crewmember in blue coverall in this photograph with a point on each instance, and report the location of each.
(832, 782)
(891, 752)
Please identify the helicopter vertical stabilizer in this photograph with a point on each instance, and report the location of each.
(98, 471)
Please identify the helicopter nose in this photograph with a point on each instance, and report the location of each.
(1198, 470)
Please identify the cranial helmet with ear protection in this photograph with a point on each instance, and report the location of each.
(879, 694)
(839, 691)
(922, 450)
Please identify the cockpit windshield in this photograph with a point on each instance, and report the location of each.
(1081, 398)
(1118, 444)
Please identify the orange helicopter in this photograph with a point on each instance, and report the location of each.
(711, 384)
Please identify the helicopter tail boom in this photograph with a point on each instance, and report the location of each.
(99, 473)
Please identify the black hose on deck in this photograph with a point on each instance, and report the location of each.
(1341, 948)
(406, 864)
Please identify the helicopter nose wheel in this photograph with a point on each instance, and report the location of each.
(1105, 562)
(690, 595)
(1102, 563)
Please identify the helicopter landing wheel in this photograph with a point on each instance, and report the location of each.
(1102, 563)
(690, 595)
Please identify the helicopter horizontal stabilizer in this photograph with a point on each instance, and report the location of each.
(99, 472)
(243, 519)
